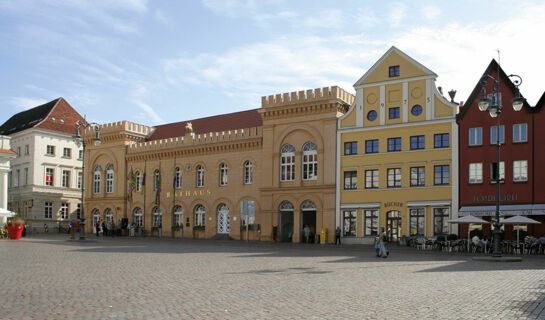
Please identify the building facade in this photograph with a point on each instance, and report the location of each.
(6, 154)
(396, 154)
(270, 169)
(521, 135)
(45, 178)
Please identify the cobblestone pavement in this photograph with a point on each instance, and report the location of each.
(49, 277)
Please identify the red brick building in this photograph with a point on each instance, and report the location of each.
(521, 169)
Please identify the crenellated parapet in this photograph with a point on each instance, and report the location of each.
(311, 95)
(120, 131)
(192, 140)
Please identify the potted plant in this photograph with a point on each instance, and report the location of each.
(15, 227)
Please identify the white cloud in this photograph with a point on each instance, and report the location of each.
(431, 12)
(149, 112)
(231, 8)
(460, 54)
(398, 11)
(25, 103)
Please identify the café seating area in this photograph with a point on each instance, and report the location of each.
(528, 245)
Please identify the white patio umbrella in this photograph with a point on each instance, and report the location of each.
(469, 219)
(6, 213)
(519, 220)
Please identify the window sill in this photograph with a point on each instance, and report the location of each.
(521, 181)
(474, 145)
(49, 155)
(475, 183)
(519, 142)
(65, 157)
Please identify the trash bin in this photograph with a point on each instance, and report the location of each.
(181, 233)
(323, 235)
(159, 232)
(140, 232)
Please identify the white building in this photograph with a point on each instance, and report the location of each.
(6, 154)
(45, 177)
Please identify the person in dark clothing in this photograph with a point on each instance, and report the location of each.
(104, 228)
(97, 227)
(338, 235)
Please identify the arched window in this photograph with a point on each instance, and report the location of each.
(157, 216)
(177, 178)
(108, 215)
(178, 216)
(110, 178)
(248, 172)
(96, 179)
(200, 176)
(308, 205)
(286, 206)
(310, 161)
(156, 179)
(138, 221)
(223, 174)
(138, 181)
(199, 215)
(287, 163)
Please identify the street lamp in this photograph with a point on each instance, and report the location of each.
(494, 107)
(81, 126)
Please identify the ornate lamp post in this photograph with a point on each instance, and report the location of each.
(492, 104)
(80, 141)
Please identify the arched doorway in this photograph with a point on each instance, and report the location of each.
(108, 216)
(223, 219)
(393, 225)
(285, 215)
(96, 219)
(137, 218)
(308, 219)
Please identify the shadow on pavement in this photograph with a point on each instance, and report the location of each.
(399, 255)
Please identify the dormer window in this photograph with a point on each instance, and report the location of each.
(393, 71)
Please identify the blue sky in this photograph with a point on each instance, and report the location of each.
(156, 62)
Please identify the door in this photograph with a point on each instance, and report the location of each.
(393, 225)
(223, 219)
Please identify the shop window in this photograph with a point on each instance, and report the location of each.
(370, 222)
(349, 223)
(417, 220)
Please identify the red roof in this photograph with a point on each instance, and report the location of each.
(7, 151)
(224, 122)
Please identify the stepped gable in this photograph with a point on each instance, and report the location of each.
(56, 115)
(224, 122)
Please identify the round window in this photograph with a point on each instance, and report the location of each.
(372, 115)
(416, 110)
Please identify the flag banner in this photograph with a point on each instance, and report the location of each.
(158, 187)
(174, 180)
(131, 183)
(143, 189)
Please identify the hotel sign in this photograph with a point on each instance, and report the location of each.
(492, 197)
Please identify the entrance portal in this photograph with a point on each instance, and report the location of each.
(285, 215)
(223, 219)
(393, 225)
(308, 219)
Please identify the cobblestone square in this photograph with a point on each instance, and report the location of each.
(50, 277)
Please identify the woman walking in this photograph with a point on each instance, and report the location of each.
(383, 252)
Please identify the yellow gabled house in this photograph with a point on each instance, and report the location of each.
(396, 154)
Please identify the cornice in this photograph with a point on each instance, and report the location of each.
(196, 150)
(295, 110)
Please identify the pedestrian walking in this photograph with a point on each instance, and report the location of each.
(306, 230)
(383, 252)
(377, 246)
(46, 228)
(97, 228)
(338, 235)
